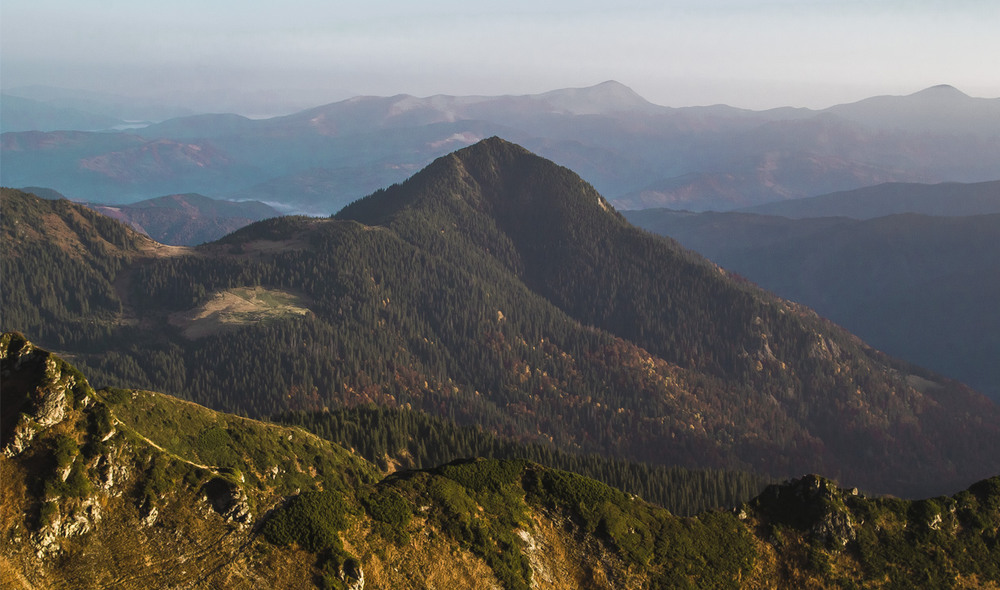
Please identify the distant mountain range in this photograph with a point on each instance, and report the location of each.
(948, 199)
(929, 111)
(493, 288)
(24, 114)
(637, 153)
(112, 107)
(916, 285)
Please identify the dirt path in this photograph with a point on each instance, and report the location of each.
(125, 427)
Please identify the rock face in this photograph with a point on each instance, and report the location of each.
(81, 518)
(20, 437)
(228, 499)
(814, 504)
(39, 397)
(80, 483)
(353, 577)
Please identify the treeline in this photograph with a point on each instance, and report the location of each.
(408, 439)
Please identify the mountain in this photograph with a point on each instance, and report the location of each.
(918, 287)
(938, 109)
(947, 199)
(635, 153)
(774, 178)
(24, 114)
(43, 192)
(494, 288)
(178, 220)
(206, 126)
(114, 167)
(123, 108)
(186, 220)
(131, 488)
(604, 98)
(365, 114)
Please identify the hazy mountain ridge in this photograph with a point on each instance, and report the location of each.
(187, 220)
(24, 114)
(635, 153)
(774, 178)
(946, 199)
(126, 108)
(919, 287)
(941, 108)
(368, 113)
(113, 167)
(448, 308)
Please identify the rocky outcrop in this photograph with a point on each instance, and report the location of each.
(824, 348)
(814, 504)
(110, 472)
(69, 519)
(37, 394)
(228, 499)
(21, 435)
(352, 576)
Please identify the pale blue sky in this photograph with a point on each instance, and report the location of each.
(240, 55)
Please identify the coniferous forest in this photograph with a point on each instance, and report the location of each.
(482, 373)
(496, 289)
(405, 439)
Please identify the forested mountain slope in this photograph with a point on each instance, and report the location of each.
(919, 287)
(495, 288)
(132, 489)
(398, 438)
(186, 220)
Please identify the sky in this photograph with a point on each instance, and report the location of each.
(261, 58)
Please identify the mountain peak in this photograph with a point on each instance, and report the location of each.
(494, 146)
(941, 92)
(493, 177)
(607, 97)
(938, 109)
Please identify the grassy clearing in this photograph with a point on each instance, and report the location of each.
(233, 308)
